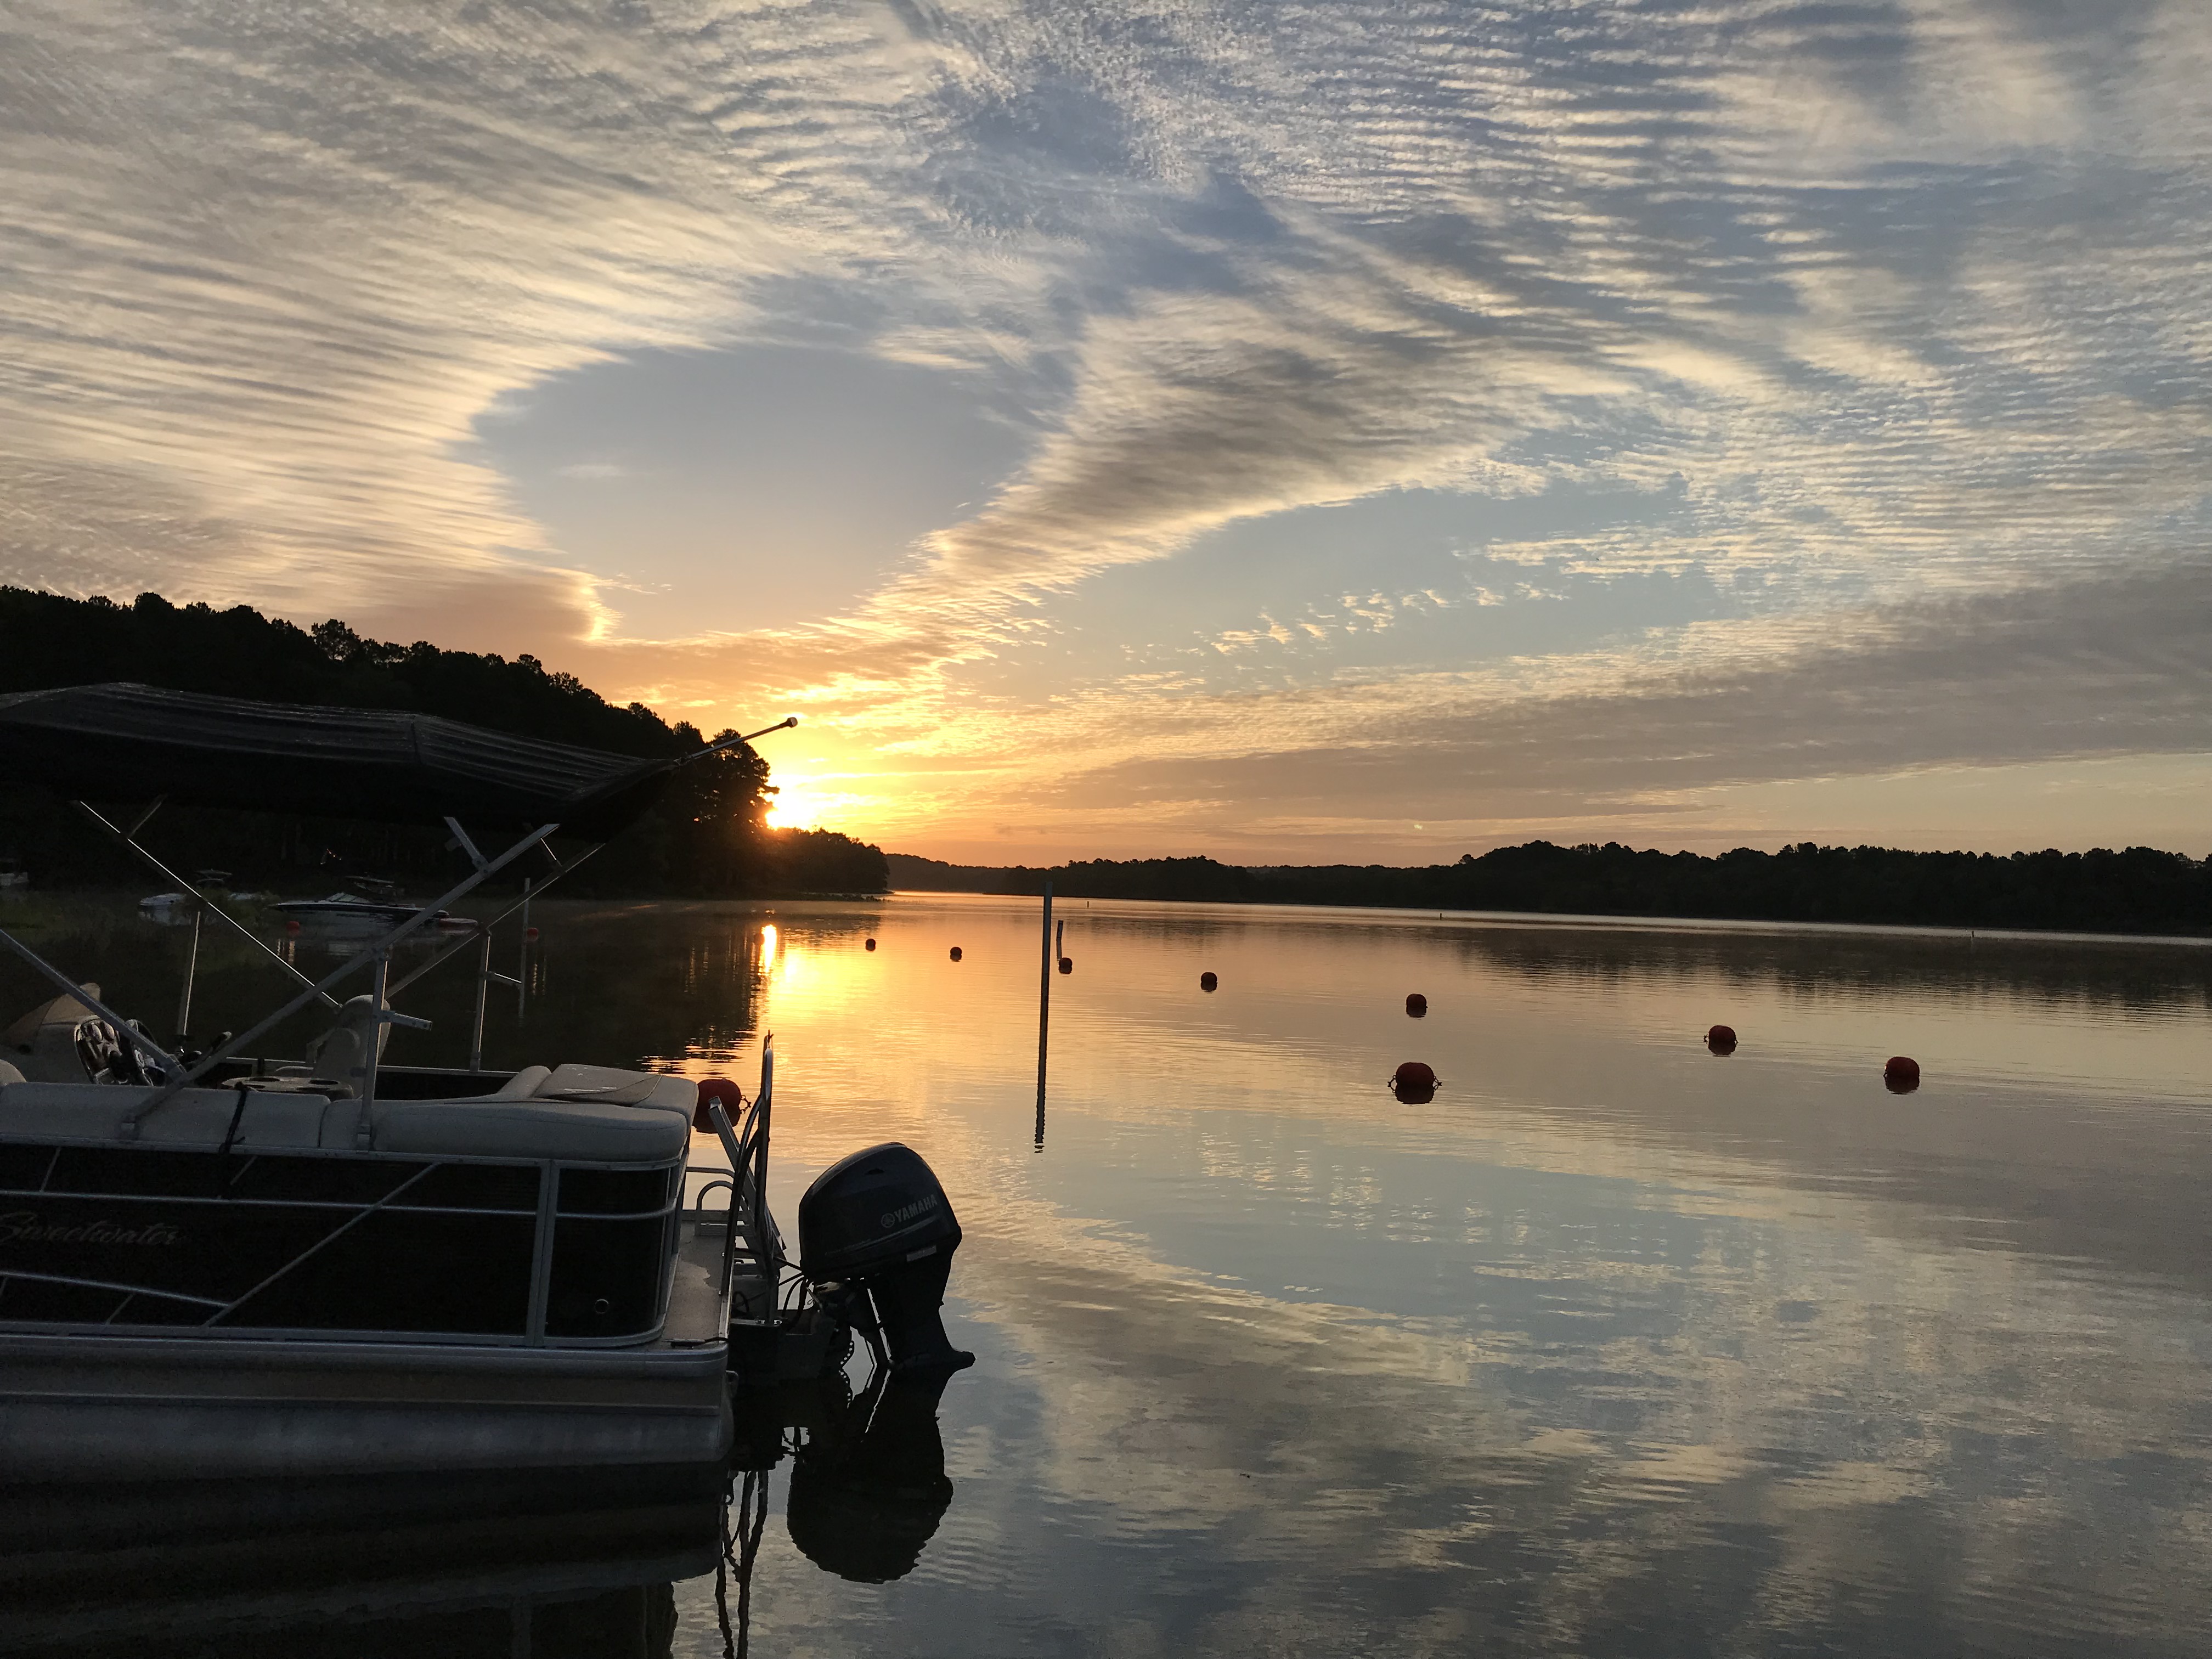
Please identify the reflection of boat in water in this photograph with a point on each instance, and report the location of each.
(539, 1563)
(868, 1486)
(210, 1263)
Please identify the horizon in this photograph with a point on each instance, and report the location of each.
(1358, 435)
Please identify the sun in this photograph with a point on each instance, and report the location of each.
(795, 806)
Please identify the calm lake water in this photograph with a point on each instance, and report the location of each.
(1614, 1347)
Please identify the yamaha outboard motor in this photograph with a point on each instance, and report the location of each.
(876, 1238)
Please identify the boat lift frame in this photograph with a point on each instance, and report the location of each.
(179, 1074)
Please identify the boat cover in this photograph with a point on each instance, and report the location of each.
(125, 741)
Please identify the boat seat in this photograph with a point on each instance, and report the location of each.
(42, 1044)
(8, 1074)
(620, 1088)
(487, 1127)
(194, 1117)
(484, 1126)
(341, 1052)
(523, 1084)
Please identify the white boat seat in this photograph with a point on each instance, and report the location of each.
(620, 1088)
(8, 1074)
(341, 1052)
(59, 1011)
(194, 1117)
(587, 1131)
(492, 1125)
(523, 1084)
(42, 1044)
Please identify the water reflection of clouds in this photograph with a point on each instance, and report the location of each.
(1330, 1465)
(1276, 1361)
(1927, 1377)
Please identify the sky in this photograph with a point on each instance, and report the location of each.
(1289, 432)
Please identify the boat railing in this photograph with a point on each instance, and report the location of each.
(753, 1259)
(337, 1260)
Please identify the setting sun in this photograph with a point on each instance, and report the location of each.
(795, 806)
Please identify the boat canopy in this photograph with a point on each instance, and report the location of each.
(125, 741)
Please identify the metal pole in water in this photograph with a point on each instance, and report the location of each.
(1044, 1008)
(191, 968)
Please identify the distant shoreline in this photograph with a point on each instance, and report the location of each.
(2140, 892)
(1569, 921)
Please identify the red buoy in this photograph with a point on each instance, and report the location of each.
(956, 953)
(530, 933)
(1417, 1005)
(1414, 1082)
(1721, 1039)
(872, 944)
(712, 1088)
(291, 924)
(1206, 981)
(1902, 1074)
(1067, 965)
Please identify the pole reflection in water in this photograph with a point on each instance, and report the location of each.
(741, 1542)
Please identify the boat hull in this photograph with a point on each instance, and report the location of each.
(82, 1407)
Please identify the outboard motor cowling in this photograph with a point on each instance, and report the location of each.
(876, 1238)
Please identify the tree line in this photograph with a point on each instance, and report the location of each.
(707, 837)
(2138, 890)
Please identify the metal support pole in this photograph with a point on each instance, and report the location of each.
(191, 969)
(761, 1106)
(483, 985)
(522, 960)
(1044, 1008)
(365, 1089)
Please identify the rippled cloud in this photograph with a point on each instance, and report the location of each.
(1879, 320)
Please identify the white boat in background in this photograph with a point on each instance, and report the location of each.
(365, 901)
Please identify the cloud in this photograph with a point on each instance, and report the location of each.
(1897, 305)
(2076, 670)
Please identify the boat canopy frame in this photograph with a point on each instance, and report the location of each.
(367, 764)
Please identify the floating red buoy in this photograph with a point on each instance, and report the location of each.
(530, 933)
(1902, 1074)
(1417, 1005)
(1414, 1082)
(872, 944)
(1721, 1039)
(291, 924)
(1067, 965)
(956, 953)
(1206, 981)
(712, 1088)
